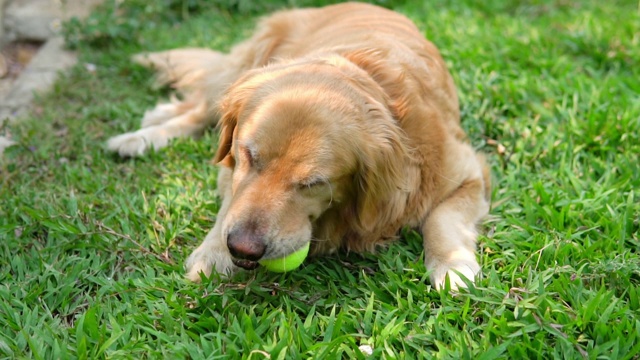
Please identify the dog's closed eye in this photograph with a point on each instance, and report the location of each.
(249, 155)
(312, 183)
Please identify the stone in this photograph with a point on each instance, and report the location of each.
(41, 19)
(39, 74)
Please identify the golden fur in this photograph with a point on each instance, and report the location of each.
(339, 126)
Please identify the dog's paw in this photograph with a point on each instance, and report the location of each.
(137, 143)
(456, 272)
(204, 261)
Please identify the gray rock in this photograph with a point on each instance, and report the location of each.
(41, 19)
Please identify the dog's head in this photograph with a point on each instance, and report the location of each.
(305, 139)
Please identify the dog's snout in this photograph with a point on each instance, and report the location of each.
(246, 245)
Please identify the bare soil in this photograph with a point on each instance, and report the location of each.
(14, 58)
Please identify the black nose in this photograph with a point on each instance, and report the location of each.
(246, 245)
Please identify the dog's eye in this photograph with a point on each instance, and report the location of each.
(248, 156)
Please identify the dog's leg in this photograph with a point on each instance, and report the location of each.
(201, 76)
(163, 112)
(192, 122)
(450, 235)
(213, 253)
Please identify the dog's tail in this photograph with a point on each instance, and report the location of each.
(183, 69)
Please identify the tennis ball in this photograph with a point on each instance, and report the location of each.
(288, 262)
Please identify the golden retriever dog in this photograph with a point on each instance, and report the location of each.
(338, 126)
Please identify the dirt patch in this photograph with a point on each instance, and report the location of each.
(14, 58)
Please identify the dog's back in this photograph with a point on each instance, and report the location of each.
(385, 44)
(298, 33)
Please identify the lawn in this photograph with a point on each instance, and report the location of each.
(92, 246)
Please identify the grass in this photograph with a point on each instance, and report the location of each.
(91, 246)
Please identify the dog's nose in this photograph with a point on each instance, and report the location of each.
(246, 245)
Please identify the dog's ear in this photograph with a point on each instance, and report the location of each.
(381, 180)
(224, 156)
(234, 103)
(230, 107)
(383, 151)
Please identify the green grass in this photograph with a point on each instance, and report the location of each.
(91, 246)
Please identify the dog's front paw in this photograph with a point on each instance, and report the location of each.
(204, 260)
(137, 143)
(456, 272)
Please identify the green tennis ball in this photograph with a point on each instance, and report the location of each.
(288, 262)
